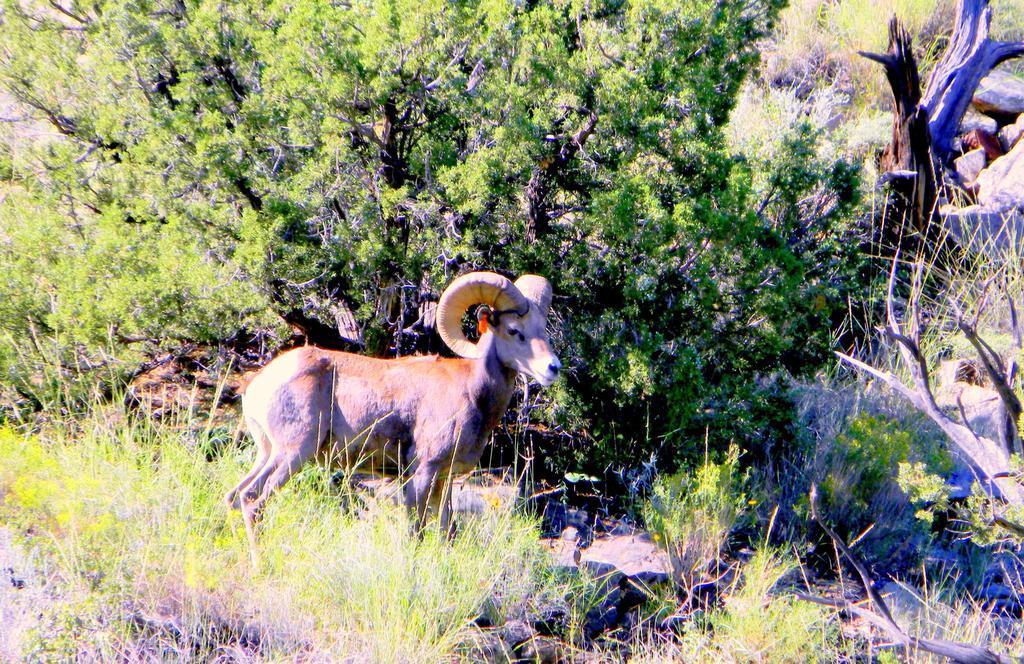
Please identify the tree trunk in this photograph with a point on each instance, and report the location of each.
(969, 57)
(908, 157)
(925, 125)
(538, 189)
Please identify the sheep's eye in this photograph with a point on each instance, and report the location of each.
(516, 334)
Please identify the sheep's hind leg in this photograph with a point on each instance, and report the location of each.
(285, 462)
(262, 455)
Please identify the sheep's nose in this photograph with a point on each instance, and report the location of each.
(555, 366)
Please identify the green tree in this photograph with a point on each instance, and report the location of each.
(228, 166)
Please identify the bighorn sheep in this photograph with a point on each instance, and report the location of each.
(424, 418)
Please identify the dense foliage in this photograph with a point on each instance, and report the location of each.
(218, 168)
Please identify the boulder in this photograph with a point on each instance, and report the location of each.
(541, 650)
(963, 383)
(904, 603)
(973, 120)
(1000, 94)
(1001, 184)
(486, 646)
(1011, 133)
(969, 165)
(951, 372)
(981, 229)
(515, 633)
(472, 498)
(981, 405)
(635, 557)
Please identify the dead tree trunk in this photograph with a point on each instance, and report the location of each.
(925, 124)
(882, 617)
(542, 180)
(968, 58)
(907, 160)
(988, 458)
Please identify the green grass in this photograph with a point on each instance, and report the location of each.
(758, 622)
(115, 525)
(128, 534)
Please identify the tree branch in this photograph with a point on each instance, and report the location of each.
(959, 652)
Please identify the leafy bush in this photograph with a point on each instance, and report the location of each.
(757, 622)
(751, 628)
(859, 485)
(219, 168)
(692, 514)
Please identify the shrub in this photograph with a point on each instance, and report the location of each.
(753, 626)
(757, 622)
(692, 514)
(859, 485)
(219, 168)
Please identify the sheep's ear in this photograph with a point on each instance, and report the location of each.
(483, 318)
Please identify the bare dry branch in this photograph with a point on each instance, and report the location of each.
(882, 616)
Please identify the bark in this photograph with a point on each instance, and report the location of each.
(968, 58)
(908, 154)
(881, 616)
(925, 123)
(312, 330)
(990, 459)
(544, 175)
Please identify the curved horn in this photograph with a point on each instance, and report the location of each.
(537, 290)
(488, 288)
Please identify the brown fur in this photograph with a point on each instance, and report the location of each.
(424, 418)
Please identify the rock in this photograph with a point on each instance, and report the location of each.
(467, 501)
(1011, 133)
(960, 371)
(551, 620)
(997, 591)
(583, 522)
(995, 232)
(564, 554)
(617, 527)
(903, 603)
(636, 557)
(1007, 568)
(554, 518)
(987, 141)
(981, 405)
(486, 646)
(542, 650)
(516, 632)
(1000, 93)
(599, 620)
(973, 120)
(969, 165)
(1001, 185)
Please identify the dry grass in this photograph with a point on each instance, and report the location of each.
(816, 42)
(137, 558)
